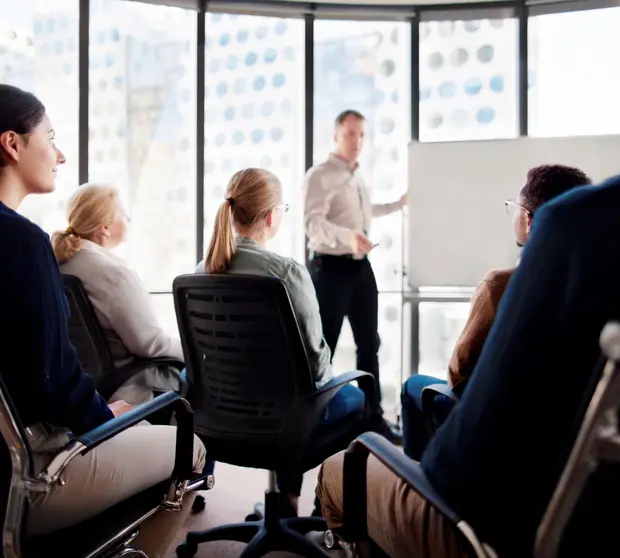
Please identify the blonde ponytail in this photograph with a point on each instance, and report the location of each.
(65, 245)
(250, 196)
(88, 209)
(222, 245)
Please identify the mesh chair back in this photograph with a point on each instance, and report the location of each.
(246, 363)
(85, 331)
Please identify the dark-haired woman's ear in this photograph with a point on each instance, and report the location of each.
(9, 144)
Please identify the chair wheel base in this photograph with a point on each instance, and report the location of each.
(199, 504)
(186, 550)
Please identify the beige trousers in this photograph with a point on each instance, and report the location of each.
(121, 467)
(400, 521)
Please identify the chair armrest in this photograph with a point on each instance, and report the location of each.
(159, 361)
(81, 445)
(430, 392)
(354, 482)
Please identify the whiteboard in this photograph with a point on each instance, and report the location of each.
(458, 228)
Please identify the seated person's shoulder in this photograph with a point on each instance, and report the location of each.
(498, 278)
(22, 231)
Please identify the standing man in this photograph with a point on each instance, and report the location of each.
(337, 218)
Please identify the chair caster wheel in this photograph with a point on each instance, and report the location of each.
(186, 550)
(252, 517)
(329, 540)
(199, 504)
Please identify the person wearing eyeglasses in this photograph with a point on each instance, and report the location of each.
(248, 218)
(337, 216)
(97, 225)
(542, 185)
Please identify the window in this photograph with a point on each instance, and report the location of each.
(255, 112)
(441, 324)
(366, 66)
(574, 82)
(35, 54)
(468, 80)
(143, 129)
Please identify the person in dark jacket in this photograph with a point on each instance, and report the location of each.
(53, 396)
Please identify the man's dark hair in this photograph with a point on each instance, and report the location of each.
(346, 114)
(20, 112)
(549, 181)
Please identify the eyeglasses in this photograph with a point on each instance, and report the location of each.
(284, 206)
(512, 206)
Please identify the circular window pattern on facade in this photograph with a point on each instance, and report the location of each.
(276, 134)
(496, 23)
(229, 113)
(232, 62)
(473, 86)
(224, 39)
(447, 89)
(259, 83)
(425, 93)
(459, 57)
(250, 59)
(242, 35)
(257, 135)
(266, 161)
(435, 61)
(270, 55)
(434, 120)
(240, 86)
(485, 54)
(485, 115)
(388, 67)
(497, 84)
(214, 65)
(261, 32)
(278, 80)
(387, 126)
(220, 140)
(472, 26)
(221, 89)
(238, 137)
(267, 108)
(280, 28)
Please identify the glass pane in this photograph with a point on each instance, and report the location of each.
(574, 79)
(390, 352)
(366, 66)
(441, 324)
(255, 112)
(468, 79)
(143, 129)
(164, 309)
(39, 53)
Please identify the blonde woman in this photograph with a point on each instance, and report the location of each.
(248, 218)
(97, 224)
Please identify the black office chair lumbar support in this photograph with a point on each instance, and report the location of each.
(254, 398)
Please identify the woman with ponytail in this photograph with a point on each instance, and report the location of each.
(53, 396)
(247, 219)
(98, 224)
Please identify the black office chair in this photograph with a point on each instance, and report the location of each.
(88, 338)
(254, 398)
(109, 534)
(576, 523)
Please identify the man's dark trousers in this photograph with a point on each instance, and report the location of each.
(347, 287)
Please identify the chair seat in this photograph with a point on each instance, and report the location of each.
(109, 528)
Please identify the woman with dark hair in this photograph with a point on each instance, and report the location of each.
(52, 394)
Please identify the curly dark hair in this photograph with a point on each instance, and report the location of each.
(548, 181)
